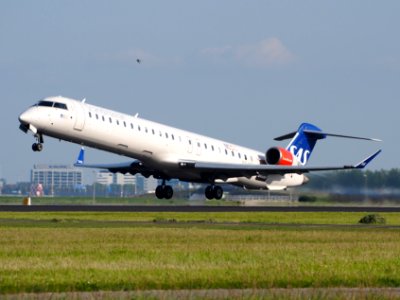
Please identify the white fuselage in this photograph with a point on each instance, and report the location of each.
(158, 146)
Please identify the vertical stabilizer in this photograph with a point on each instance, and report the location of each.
(303, 142)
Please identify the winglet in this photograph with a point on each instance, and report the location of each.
(366, 161)
(81, 157)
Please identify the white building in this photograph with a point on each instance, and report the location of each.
(56, 177)
(143, 185)
(107, 178)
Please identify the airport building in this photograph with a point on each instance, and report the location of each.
(51, 179)
(107, 178)
(142, 184)
(47, 180)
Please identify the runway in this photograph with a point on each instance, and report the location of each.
(161, 208)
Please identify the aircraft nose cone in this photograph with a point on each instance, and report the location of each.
(23, 118)
(26, 117)
(306, 179)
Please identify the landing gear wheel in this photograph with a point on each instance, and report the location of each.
(209, 192)
(168, 192)
(218, 192)
(160, 192)
(214, 191)
(164, 191)
(37, 147)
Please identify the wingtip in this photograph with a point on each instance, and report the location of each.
(366, 161)
(81, 157)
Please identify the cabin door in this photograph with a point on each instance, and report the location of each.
(79, 114)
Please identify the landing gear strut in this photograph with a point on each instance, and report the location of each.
(214, 191)
(38, 146)
(164, 191)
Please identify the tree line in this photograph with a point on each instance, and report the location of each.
(378, 179)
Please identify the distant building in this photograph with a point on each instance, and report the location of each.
(55, 179)
(107, 178)
(142, 184)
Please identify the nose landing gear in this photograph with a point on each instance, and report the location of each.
(38, 146)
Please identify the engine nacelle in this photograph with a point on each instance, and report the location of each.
(279, 156)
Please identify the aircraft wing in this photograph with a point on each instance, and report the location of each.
(132, 167)
(224, 171)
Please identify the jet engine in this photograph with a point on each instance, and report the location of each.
(279, 156)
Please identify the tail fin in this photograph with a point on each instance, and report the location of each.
(303, 141)
(305, 138)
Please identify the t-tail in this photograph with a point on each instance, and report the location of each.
(305, 138)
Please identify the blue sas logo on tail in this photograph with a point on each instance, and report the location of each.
(302, 144)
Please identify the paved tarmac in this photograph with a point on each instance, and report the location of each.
(162, 208)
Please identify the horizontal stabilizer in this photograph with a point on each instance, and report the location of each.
(321, 135)
(286, 136)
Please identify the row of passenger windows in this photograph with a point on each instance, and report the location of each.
(146, 130)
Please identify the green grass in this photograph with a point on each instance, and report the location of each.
(144, 200)
(62, 252)
(332, 218)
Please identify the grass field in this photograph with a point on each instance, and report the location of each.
(67, 252)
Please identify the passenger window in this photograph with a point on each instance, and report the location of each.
(102, 117)
(124, 124)
(233, 153)
(245, 157)
(212, 147)
(131, 125)
(139, 127)
(117, 122)
(172, 136)
(239, 155)
(226, 152)
(166, 135)
(110, 119)
(97, 116)
(153, 131)
(205, 146)
(145, 129)
(90, 114)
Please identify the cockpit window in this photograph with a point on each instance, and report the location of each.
(45, 103)
(52, 104)
(60, 105)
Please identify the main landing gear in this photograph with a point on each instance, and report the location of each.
(164, 191)
(214, 192)
(38, 146)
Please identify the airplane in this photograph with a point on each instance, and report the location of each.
(166, 153)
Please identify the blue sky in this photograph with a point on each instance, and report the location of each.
(242, 71)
